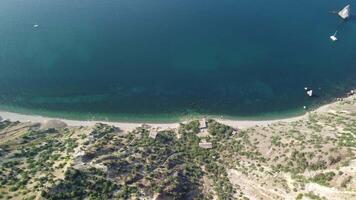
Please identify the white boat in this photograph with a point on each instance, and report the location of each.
(310, 93)
(36, 26)
(345, 12)
(333, 37)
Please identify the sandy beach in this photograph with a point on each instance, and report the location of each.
(40, 119)
(127, 126)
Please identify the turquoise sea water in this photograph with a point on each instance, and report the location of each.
(164, 59)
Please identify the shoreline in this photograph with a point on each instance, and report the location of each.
(127, 126)
(12, 116)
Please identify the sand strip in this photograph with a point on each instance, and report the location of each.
(130, 126)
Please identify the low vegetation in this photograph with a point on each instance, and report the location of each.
(296, 160)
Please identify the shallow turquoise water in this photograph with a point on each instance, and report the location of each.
(163, 59)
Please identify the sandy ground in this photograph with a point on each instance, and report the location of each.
(241, 124)
(250, 123)
(130, 126)
(40, 119)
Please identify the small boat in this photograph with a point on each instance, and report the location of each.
(310, 93)
(36, 26)
(333, 37)
(345, 12)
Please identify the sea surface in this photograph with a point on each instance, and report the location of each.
(135, 60)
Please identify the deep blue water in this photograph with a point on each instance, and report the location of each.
(138, 59)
